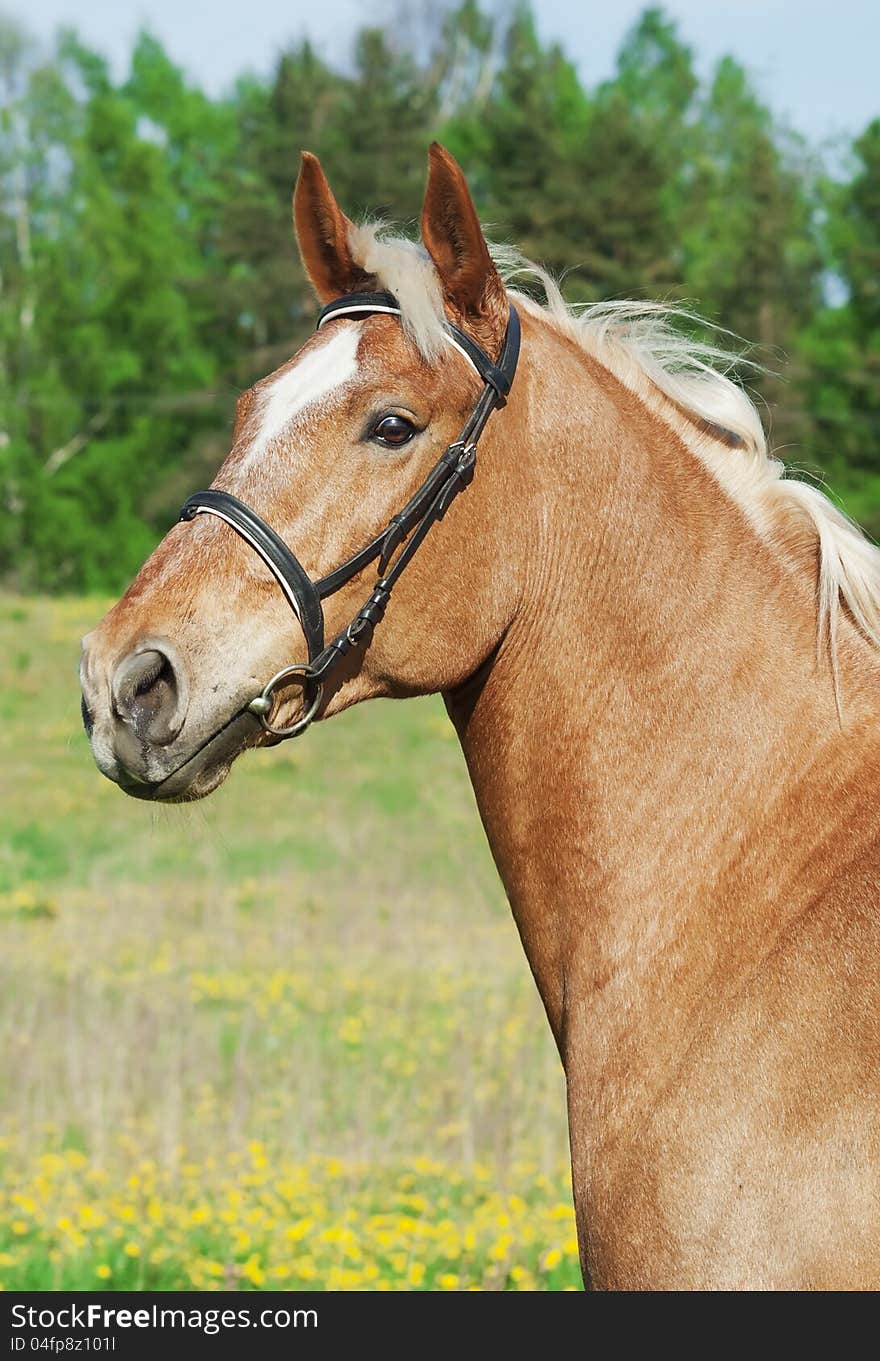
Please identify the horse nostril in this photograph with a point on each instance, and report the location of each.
(88, 717)
(146, 695)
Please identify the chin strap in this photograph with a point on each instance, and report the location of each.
(405, 531)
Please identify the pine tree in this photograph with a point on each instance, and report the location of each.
(517, 145)
(751, 260)
(840, 348)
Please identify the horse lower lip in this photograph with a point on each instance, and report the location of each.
(174, 784)
(137, 789)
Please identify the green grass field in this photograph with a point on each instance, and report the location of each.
(285, 1038)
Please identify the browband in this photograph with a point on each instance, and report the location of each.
(499, 376)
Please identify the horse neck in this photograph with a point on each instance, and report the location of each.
(651, 747)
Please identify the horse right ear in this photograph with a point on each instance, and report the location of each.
(454, 240)
(322, 230)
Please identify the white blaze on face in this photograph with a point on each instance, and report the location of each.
(323, 371)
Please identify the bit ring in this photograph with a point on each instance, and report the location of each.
(262, 706)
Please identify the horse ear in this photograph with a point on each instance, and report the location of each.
(454, 239)
(322, 230)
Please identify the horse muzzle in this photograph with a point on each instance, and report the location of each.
(135, 715)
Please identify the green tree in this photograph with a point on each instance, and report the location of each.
(855, 235)
(575, 182)
(840, 348)
(265, 300)
(517, 145)
(751, 258)
(655, 74)
(112, 335)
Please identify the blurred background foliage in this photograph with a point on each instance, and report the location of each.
(149, 270)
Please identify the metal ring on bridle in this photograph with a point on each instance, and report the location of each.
(264, 703)
(358, 629)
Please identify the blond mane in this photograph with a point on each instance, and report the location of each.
(644, 346)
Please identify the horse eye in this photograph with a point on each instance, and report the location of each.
(394, 431)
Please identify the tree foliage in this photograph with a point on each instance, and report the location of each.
(148, 268)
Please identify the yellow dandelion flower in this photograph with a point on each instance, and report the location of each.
(351, 1030)
(552, 1259)
(253, 1272)
(104, 1272)
(298, 1230)
(448, 1281)
(132, 1250)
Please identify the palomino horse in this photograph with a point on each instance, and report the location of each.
(622, 613)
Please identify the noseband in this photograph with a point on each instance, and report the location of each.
(406, 530)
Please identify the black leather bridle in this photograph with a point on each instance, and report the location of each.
(406, 530)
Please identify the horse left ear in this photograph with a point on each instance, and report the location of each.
(454, 240)
(323, 232)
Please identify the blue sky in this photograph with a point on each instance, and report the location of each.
(815, 62)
